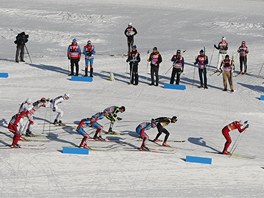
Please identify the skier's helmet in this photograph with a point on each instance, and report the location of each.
(130, 24)
(201, 51)
(134, 47)
(122, 109)
(43, 99)
(66, 96)
(89, 42)
(178, 51)
(28, 101)
(243, 42)
(155, 48)
(74, 40)
(174, 119)
(223, 38)
(153, 123)
(227, 56)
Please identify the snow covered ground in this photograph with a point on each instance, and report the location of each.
(119, 172)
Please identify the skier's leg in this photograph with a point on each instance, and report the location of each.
(172, 76)
(152, 74)
(205, 77)
(72, 67)
(225, 133)
(200, 71)
(245, 64)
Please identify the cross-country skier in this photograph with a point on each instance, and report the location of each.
(54, 106)
(227, 67)
(89, 52)
(27, 106)
(17, 127)
(112, 115)
(202, 61)
(222, 47)
(74, 55)
(239, 125)
(243, 51)
(97, 126)
(155, 59)
(161, 122)
(86, 122)
(178, 67)
(133, 59)
(140, 130)
(130, 32)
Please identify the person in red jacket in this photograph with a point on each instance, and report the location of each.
(230, 127)
(16, 126)
(243, 51)
(74, 55)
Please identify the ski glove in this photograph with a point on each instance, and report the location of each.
(246, 126)
(54, 109)
(119, 118)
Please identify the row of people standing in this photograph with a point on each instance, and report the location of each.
(74, 55)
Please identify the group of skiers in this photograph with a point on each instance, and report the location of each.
(17, 125)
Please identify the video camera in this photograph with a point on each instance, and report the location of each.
(21, 38)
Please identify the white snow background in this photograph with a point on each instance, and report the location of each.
(168, 25)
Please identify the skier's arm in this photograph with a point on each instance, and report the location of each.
(216, 47)
(206, 60)
(138, 58)
(159, 59)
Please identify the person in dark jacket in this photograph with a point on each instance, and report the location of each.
(202, 61)
(130, 32)
(178, 67)
(21, 40)
(155, 59)
(133, 59)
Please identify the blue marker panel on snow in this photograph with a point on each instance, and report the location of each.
(173, 86)
(69, 150)
(196, 159)
(261, 97)
(3, 75)
(81, 78)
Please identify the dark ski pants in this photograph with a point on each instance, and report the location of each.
(133, 73)
(161, 130)
(177, 72)
(20, 51)
(243, 61)
(75, 62)
(154, 71)
(203, 77)
(130, 43)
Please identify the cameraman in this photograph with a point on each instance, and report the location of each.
(21, 40)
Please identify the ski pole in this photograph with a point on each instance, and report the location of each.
(260, 70)
(28, 54)
(193, 75)
(168, 69)
(235, 144)
(212, 56)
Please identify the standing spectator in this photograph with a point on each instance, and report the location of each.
(227, 66)
(130, 32)
(222, 47)
(155, 59)
(243, 51)
(74, 55)
(178, 67)
(89, 53)
(20, 41)
(133, 59)
(202, 61)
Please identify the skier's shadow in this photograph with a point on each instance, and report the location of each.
(54, 137)
(50, 68)
(3, 123)
(4, 143)
(256, 88)
(120, 141)
(201, 142)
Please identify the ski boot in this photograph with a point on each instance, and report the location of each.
(226, 153)
(165, 144)
(29, 133)
(143, 148)
(55, 121)
(15, 146)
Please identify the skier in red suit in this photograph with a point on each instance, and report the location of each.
(230, 127)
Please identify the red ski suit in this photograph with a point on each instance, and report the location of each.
(230, 127)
